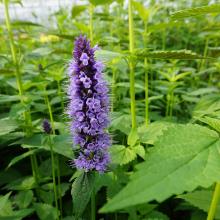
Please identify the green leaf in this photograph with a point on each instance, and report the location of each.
(61, 144)
(17, 23)
(107, 56)
(121, 154)
(45, 211)
(151, 134)
(185, 157)
(17, 215)
(212, 122)
(201, 199)
(81, 192)
(132, 137)
(214, 8)
(23, 183)
(139, 150)
(9, 98)
(21, 157)
(7, 126)
(143, 13)
(24, 198)
(100, 2)
(208, 105)
(77, 10)
(3, 200)
(173, 54)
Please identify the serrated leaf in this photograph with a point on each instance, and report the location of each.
(191, 12)
(139, 150)
(173, 54)
(45, 211)
(185, 157)
(24, 198)
(201, 199)
(212, 122)
(151, 134)
(81, 192)
(121, 154)
(3, 200)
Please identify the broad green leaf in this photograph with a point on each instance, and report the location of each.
(81, 192)
(24, 198)
(201, 199)
(121, 154)
(185, 157)
(45, 211)
(7, 126)
(191, 12)
(121, 122)
(61, 144)
(173, 54)
(150, 134)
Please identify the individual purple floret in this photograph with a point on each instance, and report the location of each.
(46, 126)
(88, 108)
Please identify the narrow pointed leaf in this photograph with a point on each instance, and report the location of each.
(214, 8)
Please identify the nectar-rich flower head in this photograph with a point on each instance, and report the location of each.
(88, 108)
(46, 126)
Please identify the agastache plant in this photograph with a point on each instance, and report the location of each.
(88, 108)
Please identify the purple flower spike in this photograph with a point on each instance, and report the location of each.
(46, 126)
(88, 108)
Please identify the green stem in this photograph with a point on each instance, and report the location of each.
(146, 94)
(60, 95)
(91, 10)
(13, 50)
(113, 89)
(146, 79)
(53, 175)
(27, 115)
(131, 66)
(93, 207)
(58, 167)
(214, 202)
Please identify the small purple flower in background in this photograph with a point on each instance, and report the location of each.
(88, 108)
(46, 126)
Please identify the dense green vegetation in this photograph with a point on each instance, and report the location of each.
(162, 65)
